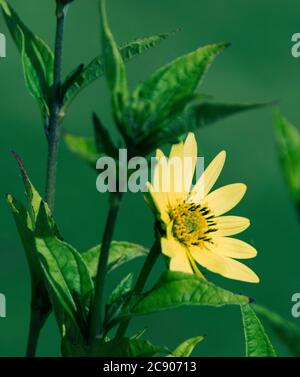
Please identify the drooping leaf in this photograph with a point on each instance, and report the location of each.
(84, 147)
(288, 142)
(286, 330)
(70, 284)
(114, 69)
(120, 253)
(37, 57)
(257, 341)
(177, 289)
(187, 347)
(95, 69)
(165, 94)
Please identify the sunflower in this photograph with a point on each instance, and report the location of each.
(194, 230)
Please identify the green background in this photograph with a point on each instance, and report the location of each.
(257, 67)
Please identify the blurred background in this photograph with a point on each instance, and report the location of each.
(257, 67)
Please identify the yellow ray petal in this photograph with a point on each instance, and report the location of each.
(232, 248)
(160, 201)
(225, 198)
(170, 247)
(208, 178)
(190, 159)
(230, 225)
(226, 267)
(159, 154)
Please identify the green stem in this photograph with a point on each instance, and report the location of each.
(96, 323)
(141, 281)
(53, 128)
(37, 317)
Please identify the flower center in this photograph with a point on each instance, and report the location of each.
(192, 223)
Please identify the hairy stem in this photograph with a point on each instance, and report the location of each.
(37, 317)
(141, 281)
(54, 128)
(96, 323)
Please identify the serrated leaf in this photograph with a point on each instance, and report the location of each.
(37, 57)
(95, 69)
(187, 347)
(257, 341)
(177, 289)
(286, 330)
(114, 69)
(83, 147)
(70, 284)
(120, 253)
(165, 94)
(288, 142)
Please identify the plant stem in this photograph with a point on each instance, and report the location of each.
(141, 281)
(96, 323)
(53, 128)
(37, 317)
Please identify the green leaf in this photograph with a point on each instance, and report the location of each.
(187, 347)
(67, 275)
(165, 94)
(104, 143)
(204, 113)
(177, 289)
(123, 347)
(288, 142)
(114, 69)
(126, 348)
(84, 147)
(95, 69)
(120, 253)
(25, 221)
(37, 57)
(257, 341)
(286, 330)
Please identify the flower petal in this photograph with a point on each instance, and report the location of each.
(160, 201)
(225, 198)
(226, 267)
(230, 225)
(208, 178)
(176, 251)
(232, 248)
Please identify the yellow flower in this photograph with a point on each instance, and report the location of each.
(194, 228)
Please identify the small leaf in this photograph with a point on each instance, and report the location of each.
(165, 94)
(95, 69)
(104, 143)
(37, 57)
(114, 69)
(177, 289)
(288, 142)
(84, 147)
(286, 330)
(118, 298)
(121, 289)
(187, 347)
(257, 341)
